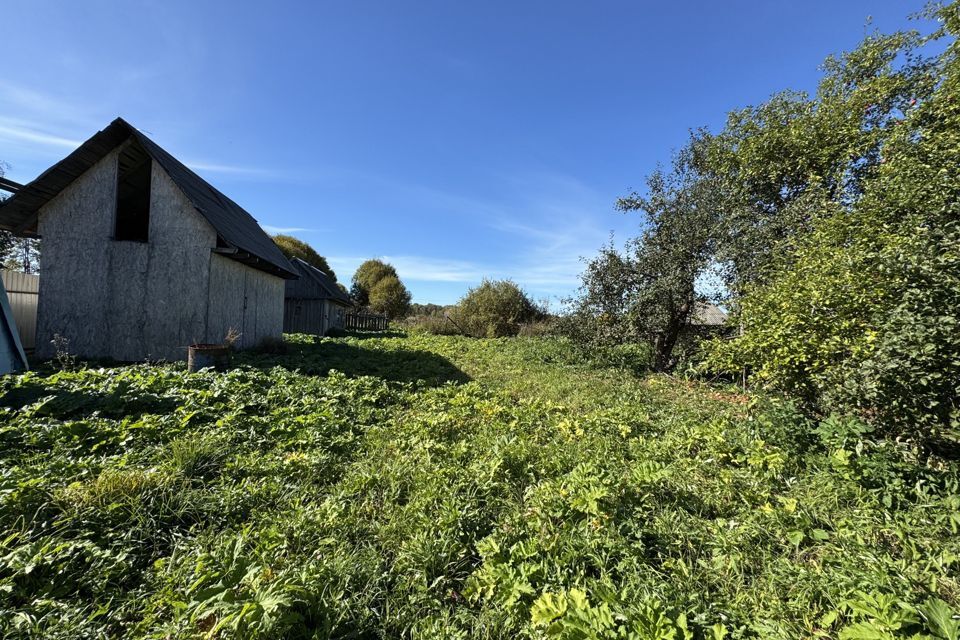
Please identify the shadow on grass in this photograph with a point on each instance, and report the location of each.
(318, 357)
(69, 403)
(368, 335)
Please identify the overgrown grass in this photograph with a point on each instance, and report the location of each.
(446, 487)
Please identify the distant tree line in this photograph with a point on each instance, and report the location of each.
(494, 308)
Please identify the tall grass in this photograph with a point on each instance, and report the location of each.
(535, 495)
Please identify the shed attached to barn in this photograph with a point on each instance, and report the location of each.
(142, 257)
(314, 302)
(12, 357)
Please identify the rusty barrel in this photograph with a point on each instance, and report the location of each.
(200, 356)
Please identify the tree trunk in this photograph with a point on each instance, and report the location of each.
(666, 340)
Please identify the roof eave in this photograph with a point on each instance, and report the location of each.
(249, 259)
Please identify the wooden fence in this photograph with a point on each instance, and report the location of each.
(366, 321)
(23, 290)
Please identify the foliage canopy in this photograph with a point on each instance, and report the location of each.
(493, 309)
(832, 220)
(377, 285)
(296, 248)
(859, 313)
(389, 297)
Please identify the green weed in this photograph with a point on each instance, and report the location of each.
(442, 486)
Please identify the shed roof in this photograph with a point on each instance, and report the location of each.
(708, 314)
(314, 284)
(241, 237)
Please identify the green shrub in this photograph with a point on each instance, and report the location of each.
(537, 328)
(909, 379)
(439, 325)
(390, 297)
(862, 314)
(495, 308)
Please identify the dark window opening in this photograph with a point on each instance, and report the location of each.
(133, 200)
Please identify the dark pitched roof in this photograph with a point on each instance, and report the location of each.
(314, 284)
(239, 234)
(709, 315)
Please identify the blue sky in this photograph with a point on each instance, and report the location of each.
(456, 140)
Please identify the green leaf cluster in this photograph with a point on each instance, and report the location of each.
(494, 309)
(858, 313)
(376, 285)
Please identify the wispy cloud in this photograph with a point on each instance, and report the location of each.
(229, 169)
(40, 123)
(559, 221)
(553, 279)
(547, 224)
(425, 268)
(34, 105)
(269, 228)
(43, 125)
(420, 268)
(10, 132)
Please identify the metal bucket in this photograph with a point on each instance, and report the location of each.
(200, 356)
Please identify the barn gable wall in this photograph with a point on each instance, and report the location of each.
(73, 298)
(129, 301)
(120, 299)
(178, 271)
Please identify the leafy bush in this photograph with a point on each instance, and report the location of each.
(910, 378)
(367, 276)
(439, 325)
(861, 315)
(389, 297)
(495, 308)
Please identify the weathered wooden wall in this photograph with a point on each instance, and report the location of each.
(315, 317)
(304, 316)
(75, 227)
(128, 300)
(337, 316)
(22, 292)
(244, 299)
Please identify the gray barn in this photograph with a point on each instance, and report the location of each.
(314, 303)
(141, 257)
